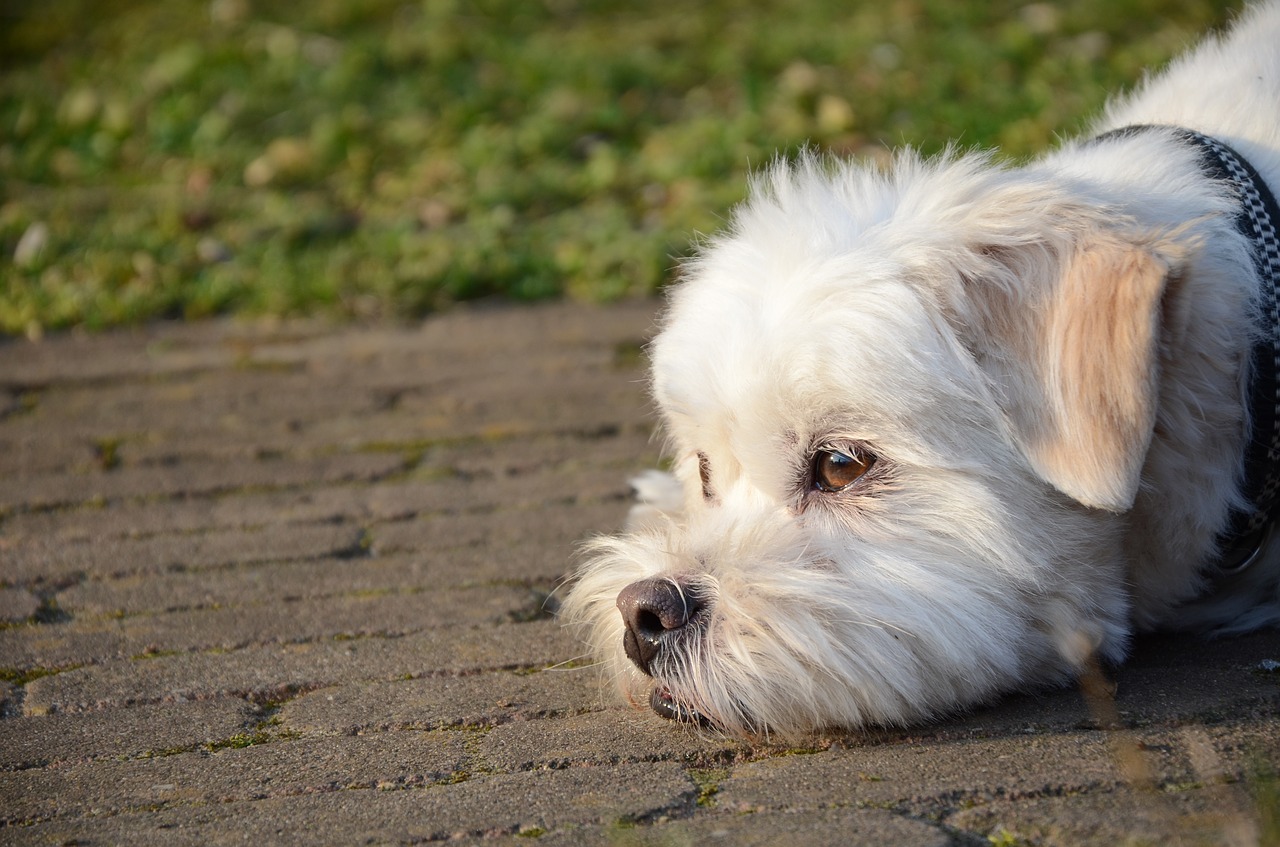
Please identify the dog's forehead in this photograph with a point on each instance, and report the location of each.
(822, 336)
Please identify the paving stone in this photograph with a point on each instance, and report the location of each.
(48, 561)
(231, 414)
(161, 348)
(189, 515)
(500, 420)
(837, 827)
(628, 449)
(463, 478)
(1238, 750)
(10, 402)
(99, 639)
(1169, 679)
(237, 415)
(949, 772)
(479, 700)
(502, 803)
(934, 779)
(1204, 817)
(237, 404)
(1191, 678)
(417, 572)
(481, 330)
(56, 490)
(29, 741)
(619, 734)
(480, 338)
(275, 769)
(275, 671)
(17, 604)
(49, 647)
(78, 357)
(508, 532)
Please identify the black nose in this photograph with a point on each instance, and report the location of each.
(655, 612)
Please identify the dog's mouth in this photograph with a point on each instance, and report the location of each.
(665, 705)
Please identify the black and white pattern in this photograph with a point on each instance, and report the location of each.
(1258, 219)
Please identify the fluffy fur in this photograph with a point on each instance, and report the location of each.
(1047, 365)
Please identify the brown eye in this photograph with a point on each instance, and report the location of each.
(836, 470)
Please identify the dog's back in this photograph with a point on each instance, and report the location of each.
(1228, 88)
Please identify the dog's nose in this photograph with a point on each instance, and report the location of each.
(654, 611)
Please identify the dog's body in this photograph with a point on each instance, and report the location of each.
(955, 428)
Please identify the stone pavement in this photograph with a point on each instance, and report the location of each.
(284, 584)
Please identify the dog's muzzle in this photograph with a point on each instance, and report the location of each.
(658, 614)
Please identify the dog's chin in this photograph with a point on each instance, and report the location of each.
(665, 705)
(668, 703)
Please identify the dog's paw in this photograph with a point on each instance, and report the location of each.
(659, 497)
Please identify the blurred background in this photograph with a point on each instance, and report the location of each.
(385, 158)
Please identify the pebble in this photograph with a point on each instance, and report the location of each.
(31, 244)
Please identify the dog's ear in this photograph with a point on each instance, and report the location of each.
(1079, 368)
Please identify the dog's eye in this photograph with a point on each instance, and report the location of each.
(836, 470)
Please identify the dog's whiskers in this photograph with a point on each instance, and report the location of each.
(586, 661)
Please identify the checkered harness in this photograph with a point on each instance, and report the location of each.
(1257, 220)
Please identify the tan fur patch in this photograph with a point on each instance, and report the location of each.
(1097, 355)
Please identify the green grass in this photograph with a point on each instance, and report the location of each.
(377, 158)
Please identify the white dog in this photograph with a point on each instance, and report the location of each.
(956, 428)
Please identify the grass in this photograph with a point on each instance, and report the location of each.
(708, 782)
(22, 676)
(385, 158)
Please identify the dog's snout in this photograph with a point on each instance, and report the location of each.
(654, 612)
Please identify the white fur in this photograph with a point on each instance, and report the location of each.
(1048, 363)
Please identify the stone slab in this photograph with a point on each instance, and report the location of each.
(278, 768)
(274, 671)
(17, 604)
(49, 562)
(189, 478)
(477, 806)
(835, 827)
(476, 700)
(27, 742)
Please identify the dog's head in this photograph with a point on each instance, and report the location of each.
(903, 411)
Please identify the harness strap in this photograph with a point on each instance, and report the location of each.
(1257, 219)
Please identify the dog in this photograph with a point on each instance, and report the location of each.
(954, 428)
